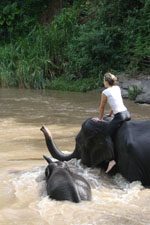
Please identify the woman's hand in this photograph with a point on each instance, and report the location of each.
(108, 114)
(96, 119)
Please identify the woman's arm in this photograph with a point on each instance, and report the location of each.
(110, 113)
(102, 106)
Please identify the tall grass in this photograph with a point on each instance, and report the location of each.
(84, 41)
(31, 61)
(79, 85)
(21, 64)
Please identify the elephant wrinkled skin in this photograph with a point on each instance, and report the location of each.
(130, 148)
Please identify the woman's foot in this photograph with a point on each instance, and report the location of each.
(111, 164)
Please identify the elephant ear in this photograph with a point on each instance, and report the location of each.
(103, 150)
(47, 159)
(97, 143)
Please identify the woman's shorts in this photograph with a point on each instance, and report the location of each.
(117, 120)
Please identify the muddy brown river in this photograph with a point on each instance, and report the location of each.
(23, 199)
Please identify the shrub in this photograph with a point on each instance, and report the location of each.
(80, 85)
(95, 51)
(85, 40)
(133, 92)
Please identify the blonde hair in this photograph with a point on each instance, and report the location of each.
(110, 78)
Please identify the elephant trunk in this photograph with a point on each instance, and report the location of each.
(54, 151)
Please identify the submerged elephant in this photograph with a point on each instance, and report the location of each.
(130, 146)
(62, 184)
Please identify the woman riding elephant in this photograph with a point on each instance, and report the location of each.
(112, 95)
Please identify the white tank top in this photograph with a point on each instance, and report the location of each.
(114, 99)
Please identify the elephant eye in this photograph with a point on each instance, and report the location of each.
(47, 172)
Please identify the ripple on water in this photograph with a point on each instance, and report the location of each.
(113, 199)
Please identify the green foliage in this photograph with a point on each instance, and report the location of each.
(133, 92)
(137, 38)
(39, 56)
(81, 85)
(84, 41)
(94, 52)
(8, 14)
(17, 18)
(116, 38)
(21, 67)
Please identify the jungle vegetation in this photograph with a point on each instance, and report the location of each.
(70, 44)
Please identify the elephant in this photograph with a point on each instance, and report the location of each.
(62, 184)
(129, 146)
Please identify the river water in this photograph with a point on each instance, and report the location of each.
(23, 199)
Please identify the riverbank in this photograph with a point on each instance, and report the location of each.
(78, 39)
(133, 88)
(136, 88)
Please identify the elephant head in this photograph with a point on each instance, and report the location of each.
(93, 144)
(52, 166)
(62, 184)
